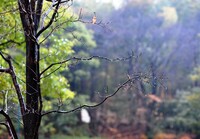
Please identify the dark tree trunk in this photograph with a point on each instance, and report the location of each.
(32, 116)
(154, 80)
(30, 13)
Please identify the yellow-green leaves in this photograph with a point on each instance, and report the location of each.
(195, 76)
(10, 27)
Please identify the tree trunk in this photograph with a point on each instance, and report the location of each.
(154, 80)
(32, 117)
(30, 14)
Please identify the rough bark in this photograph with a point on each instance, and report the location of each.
(30, 22)
(32, 116)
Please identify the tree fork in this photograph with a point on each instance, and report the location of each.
(30, 13)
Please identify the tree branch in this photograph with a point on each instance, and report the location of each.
(38, 13)
(3, 57)
(11, 71)
(85, 59)
(23, 10)
(56, 27)
(51, 20)
(11, 41)
(5, 70)
(62, 1)
(7, 127)
(10, 125)
(130, 80)
(9, 11)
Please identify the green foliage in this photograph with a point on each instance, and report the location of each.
(181, 114)
(51, 51)
(155, 30)
(10, 28)
(59, 42)
(195, 75)
(69, 125)
(61, 136)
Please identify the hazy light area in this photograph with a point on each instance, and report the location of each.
(116, 3)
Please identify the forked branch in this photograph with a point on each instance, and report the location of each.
(11, 71)
(51, 20)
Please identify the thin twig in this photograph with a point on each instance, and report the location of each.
(85, 59)
(51, 20)
(65, 1)
(56, 27)
(11, 41)
(136, 77)
(9, 11)
(52, 72)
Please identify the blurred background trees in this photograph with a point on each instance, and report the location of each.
(163, 36)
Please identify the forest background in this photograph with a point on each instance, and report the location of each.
(162, 40)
